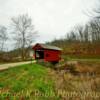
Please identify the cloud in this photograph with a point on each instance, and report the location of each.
(52, 18)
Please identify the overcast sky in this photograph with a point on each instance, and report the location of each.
(52, 18)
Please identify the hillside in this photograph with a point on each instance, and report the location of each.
(26, 82)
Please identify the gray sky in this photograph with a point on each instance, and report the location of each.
(52, 18)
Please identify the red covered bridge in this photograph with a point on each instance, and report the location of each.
(47, 52)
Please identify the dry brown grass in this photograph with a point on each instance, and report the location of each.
(87, 79)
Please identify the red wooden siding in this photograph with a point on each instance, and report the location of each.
(52, 55)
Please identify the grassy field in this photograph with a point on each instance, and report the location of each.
(28, 82)
(83, 58)
(25, 80)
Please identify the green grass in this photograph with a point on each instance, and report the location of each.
(88, 58)
(36, 82)
(26, 80)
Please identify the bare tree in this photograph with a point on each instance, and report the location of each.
(83, 33)
(95, 30)
(3, 37)
(79, 33)
(24, 32)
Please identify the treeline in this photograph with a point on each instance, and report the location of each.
(81, 39)
(88, 33)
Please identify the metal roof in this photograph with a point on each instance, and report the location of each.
(45, 46)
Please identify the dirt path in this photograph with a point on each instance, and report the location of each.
(6, 66)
